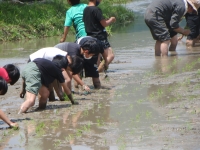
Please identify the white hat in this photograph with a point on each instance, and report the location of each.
(195, 4)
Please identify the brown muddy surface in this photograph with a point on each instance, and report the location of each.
(153, 107)
(146, 103)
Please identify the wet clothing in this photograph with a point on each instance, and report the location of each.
(41, 72)
(4, 74)
(92, 16)
(163, 16)
(193, 23)
(74, 16)
(47, 53)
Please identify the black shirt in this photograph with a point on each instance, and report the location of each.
(70, 48)
(49, 71)
(92, 16)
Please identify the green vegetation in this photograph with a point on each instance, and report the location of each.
(37, 19)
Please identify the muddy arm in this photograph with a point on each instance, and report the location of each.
(7, 120)
(79, 81)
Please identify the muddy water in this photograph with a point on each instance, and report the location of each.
(146, 102)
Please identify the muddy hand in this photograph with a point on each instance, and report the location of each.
(86, 88)
(14, 125)
(22, 94)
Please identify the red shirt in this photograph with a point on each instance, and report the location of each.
(4, 74)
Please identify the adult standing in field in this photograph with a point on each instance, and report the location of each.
(3, 90)
(95, 25)
(74, 16)
(163, 17)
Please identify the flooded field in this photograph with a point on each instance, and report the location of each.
(146, 103)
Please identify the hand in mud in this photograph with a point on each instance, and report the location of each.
(22, 94)
(85, 87)
(14, 125)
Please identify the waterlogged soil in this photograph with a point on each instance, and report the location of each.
(154, 107)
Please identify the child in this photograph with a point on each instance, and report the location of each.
(39, 74)
(10, 73)
(49, 53)
(74, 15)
(3, 90)
(95, 25)
(86, 49)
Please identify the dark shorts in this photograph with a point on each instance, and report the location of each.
(160, 30)
(105, 43)
(193, 23)
(90, 67)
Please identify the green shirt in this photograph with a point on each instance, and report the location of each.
(74, 16)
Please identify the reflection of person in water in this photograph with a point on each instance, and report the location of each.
(3, 90)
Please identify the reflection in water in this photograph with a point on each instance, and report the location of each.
(123, 121)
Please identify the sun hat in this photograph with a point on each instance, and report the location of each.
(195, 4)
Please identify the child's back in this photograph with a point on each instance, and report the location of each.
(74, 17)
(92, 19)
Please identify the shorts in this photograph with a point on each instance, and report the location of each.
(105, 43)
(32, 77)
(193, 23)
(160, 30)
(90, 67)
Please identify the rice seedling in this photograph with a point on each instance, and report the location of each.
(148, 114)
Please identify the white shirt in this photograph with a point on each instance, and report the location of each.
(47, 53)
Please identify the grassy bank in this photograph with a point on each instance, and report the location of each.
(37, 20)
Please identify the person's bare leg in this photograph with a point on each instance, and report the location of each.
(96, 83)
(174, 42)
(43, 96)
(110, 56)
(30, 101)
(157, 48)
(164, 48)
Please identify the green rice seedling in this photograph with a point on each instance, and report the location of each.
(148, 114)
(79, 133)
(69, 137)
(40, 128)
(138, 117)
(99, 105)
(86, 112)
(188, 126)
(57, 143)
(100, 122)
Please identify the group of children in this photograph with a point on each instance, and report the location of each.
(52, 68)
